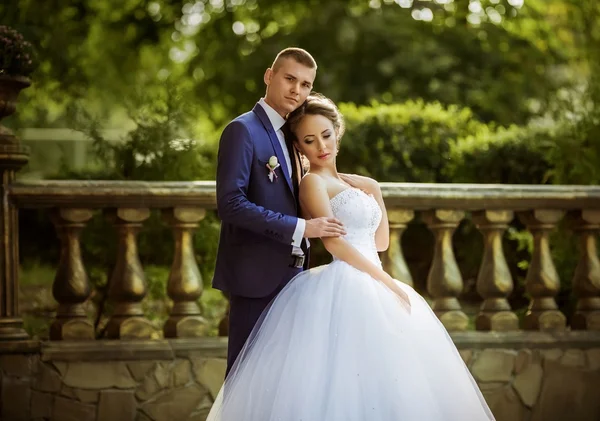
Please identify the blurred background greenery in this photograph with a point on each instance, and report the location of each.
(478, 91)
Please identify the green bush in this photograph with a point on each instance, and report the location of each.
(409, 142)
(429, 143)
(516, 155)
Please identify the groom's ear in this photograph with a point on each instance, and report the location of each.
(268, 76)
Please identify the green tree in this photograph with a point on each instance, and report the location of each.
(498, 60)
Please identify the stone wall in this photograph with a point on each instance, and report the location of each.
(523, 376)
(78, 383)
(538, 385)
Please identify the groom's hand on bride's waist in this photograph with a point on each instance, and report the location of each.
(324, 227)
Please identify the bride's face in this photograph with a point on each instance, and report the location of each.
(317, 140)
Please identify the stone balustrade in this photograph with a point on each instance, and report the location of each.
(183, 205)
(522, 366)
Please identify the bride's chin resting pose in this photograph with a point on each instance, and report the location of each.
(345, 341)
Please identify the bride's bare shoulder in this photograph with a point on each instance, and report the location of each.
(311, 178)
(311, 183)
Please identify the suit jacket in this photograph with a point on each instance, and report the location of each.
(258, 217)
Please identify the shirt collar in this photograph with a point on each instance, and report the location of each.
(276, 120)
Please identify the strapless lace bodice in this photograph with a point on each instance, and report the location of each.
(360, 213)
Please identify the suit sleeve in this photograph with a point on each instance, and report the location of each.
(234, 165)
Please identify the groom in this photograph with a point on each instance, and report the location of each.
(262, 244)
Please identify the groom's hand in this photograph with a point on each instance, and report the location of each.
(324, 227)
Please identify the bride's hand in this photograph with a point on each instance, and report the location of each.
(402, 296)
(363, 183)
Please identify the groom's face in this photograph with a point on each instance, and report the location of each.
(288, 85)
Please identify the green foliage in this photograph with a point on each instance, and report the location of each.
(164, 144)
(409, 142)
(37, 326)
(427, 142)
(517, 155)
(499, 62)
(575, 153)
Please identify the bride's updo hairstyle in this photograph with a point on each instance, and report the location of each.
(316, 104)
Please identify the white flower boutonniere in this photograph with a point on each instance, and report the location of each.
(272, 165)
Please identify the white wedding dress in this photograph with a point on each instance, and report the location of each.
(337, 345)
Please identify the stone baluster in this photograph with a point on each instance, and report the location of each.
(586, 279)
(13, 156)
(185, 281)
(393, 258)
(128, 283)
(542, 282)
(494, 281)
(71, 287)
(444, 282)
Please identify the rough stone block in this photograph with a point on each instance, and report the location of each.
(16, 395)
(117, 405)
(528, 384)
(551, 354)
(47, 379)
(568, 393)
(573, 358)
(147, 389)
(68, 392)
(506, 405)
(16, 365)
(524, 358)
(41, 404)
(182, 373)
(139, 369)
(177, 404)
(210, 373)
(593, 358)
(494, 365)
(87, 396)
(466, 355)
(98, 375)
(162, 374)
(70, 410)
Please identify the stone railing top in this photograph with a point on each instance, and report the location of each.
(490, 196)
(167, 349)
(418, 196)
(106, 194)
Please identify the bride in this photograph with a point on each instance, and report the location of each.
(346, 341)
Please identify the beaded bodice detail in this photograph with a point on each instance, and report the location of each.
(360, 213)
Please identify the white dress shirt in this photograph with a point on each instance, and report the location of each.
(277, 122)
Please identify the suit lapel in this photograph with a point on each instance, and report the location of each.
(262, 116)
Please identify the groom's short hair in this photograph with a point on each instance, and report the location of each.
(298, 54)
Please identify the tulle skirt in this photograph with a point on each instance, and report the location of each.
(337, 345)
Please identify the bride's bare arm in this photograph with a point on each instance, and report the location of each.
(314, 198)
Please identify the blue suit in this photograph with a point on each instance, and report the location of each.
(258, 219)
